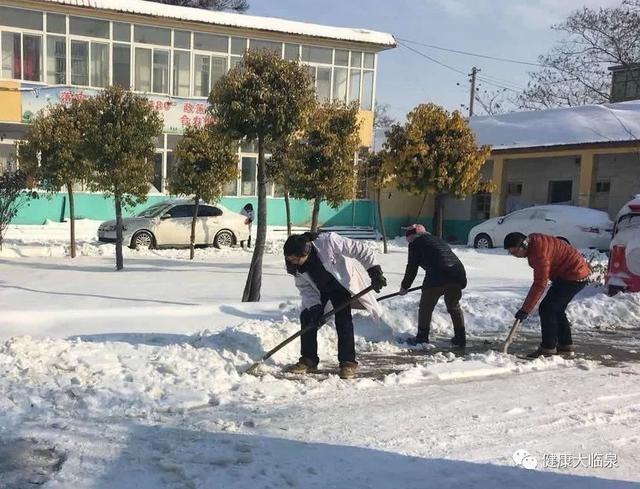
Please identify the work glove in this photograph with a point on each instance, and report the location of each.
(316, 312)
(377, 279)
(522, 315)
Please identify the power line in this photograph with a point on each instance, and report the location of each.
(478, 55)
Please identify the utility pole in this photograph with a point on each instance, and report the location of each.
(472, 96)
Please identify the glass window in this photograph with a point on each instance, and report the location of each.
(218, 68)
(259, 44)
(157, 172)
(208, 211)
(181, 67)
(182, 39)
(209, 42)
(56, 60)
(122, 65)
(292, 51)
(369, 59)
(354, 86)
(32, 58)
(181, 211)
(121, 32)
(356, 59)
(312, 54)
(160, 71)
(11, 55)
(201, 75)
(171, 167)
(152, 35)
(99, 64)
(56, 23)
(312, 74)
(79, 63)
(342, 58)
(367, 90)
(172, 141)
(238, 45)
(234, 61)
(143, 70)
(249, 146)
(7, 158)
(340, 84)
(17, 17)
(514, 188)
(323, 84)
(249, 164)
(80, 26)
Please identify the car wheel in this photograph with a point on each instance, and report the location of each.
(142, 239)
(483, 241)
(614, 289)
(224, 239)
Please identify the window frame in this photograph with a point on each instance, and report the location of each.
(22, 33)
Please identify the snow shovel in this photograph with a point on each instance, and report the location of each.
(511, 336)
(305, 330)
(389, 296)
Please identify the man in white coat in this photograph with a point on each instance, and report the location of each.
(325, 270)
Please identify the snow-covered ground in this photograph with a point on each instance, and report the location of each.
(134, 379)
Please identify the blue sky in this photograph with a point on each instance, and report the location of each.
(517, 29)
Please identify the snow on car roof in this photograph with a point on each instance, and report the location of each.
(228, 19)
(603, 123)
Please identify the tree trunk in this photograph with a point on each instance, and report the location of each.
(381, 220)
(254, 279)
(437, 223)
(72, 223)
(118, 201)
(314, 214)
(424, 199)
(192, 242)
(287, 208)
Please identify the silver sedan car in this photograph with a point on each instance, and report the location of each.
(168, 224)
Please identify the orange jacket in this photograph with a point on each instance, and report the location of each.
(551, 259)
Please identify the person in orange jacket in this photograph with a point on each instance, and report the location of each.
(556, 260)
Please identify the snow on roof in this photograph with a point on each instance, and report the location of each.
(229, 19)
(604, 123)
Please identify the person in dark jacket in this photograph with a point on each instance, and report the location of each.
(445, 276)
(558, 261)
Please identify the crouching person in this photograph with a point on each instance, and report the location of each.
(555, 260)
(444, 276)
(325, 270)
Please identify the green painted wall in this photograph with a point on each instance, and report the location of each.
(455, 230)
(96, 206)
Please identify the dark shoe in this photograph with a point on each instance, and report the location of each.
(458, 342)
(348, 370)
(566, 350)
(542, 352)
(417, 340)
(304, 366)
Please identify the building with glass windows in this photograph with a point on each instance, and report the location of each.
(53, 50)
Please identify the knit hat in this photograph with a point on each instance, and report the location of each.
(415, 229)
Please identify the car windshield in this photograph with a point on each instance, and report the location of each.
(153, 210)
(629, 221)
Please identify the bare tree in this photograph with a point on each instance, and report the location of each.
(236, 5)
(574, 72)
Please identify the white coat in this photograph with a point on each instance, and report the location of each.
(339, 256)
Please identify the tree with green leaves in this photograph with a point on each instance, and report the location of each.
(207, 159)
(375, 167)
(235, 5)
(53, 150)
(263, 99)
(435, 152)
(15, 193)
(120, 133)
(324, 156)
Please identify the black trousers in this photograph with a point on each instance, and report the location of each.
(556, 329)
(344, 328)
(430, 295)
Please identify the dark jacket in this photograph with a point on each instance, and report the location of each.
(441, 265)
